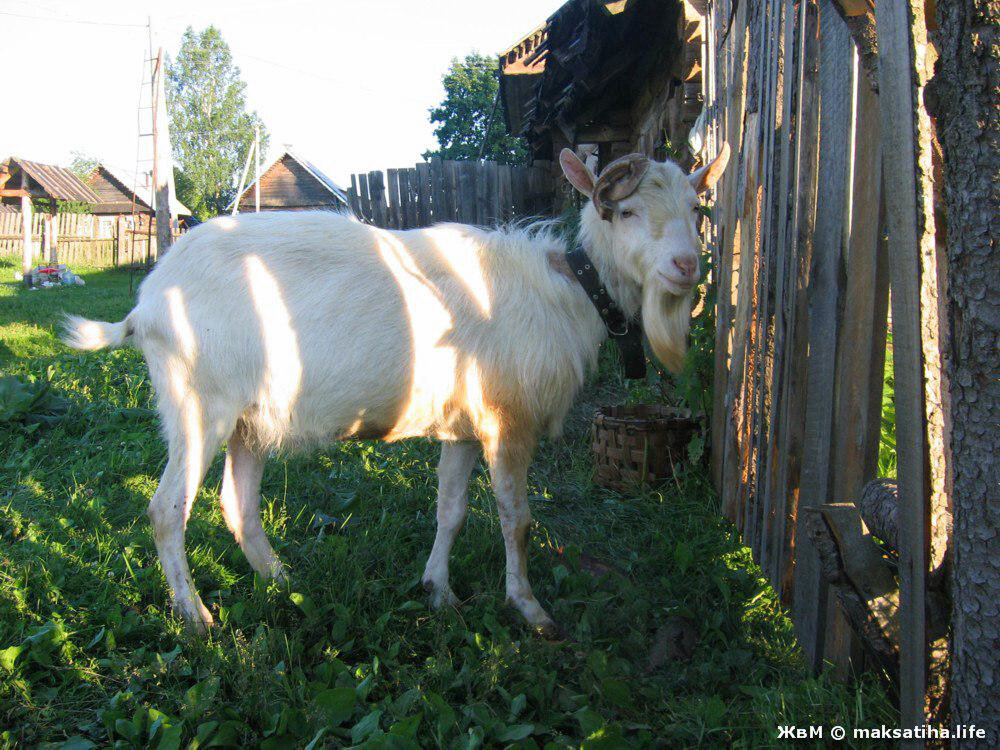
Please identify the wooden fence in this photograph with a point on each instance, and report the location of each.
(82, 238)
(826, 202)
(471, 192)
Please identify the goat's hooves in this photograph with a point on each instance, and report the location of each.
(440, 596)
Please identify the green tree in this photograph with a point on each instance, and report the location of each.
(82, 165)
(210, 126)
(469, 107)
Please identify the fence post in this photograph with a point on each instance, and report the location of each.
(376, 189)
(439, 208)
(394, 212)
(920, 385)
(27, 253)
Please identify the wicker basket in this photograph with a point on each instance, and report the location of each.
(639, 445)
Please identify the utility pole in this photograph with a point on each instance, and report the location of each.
(243, 180)
(256, 151)
(162, 163)
(27, 252)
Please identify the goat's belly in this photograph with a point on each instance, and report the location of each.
(364, 392)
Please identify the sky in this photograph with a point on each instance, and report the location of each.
(346, 84)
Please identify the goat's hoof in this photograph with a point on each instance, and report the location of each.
(279, 574)
(550, 631)
(195, 615)
(440, 596)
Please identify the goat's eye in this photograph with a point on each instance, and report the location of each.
(627, 212)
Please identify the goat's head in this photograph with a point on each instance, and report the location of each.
(643, 218)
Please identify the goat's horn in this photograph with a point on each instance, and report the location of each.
(618, 181)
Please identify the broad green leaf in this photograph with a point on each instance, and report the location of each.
(336, 704)
(617, 691)
(199, 697)
(76, 742)
(202, 735)
(590, 721)
(366, 726)
(315, 740)
(406, 727)
(9, 655)
(170, 738)
(517, 705)
(515, 733)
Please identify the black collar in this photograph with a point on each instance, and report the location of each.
(626, 332)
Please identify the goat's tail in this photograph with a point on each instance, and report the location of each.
(90, 335)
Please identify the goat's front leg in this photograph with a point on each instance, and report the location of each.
(509, 472)
(454, 468)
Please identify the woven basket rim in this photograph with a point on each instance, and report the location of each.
(642, 415)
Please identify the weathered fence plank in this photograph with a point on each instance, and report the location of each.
(861, 349)
(424, 194)
(920, 384)
(824, 295)
(392, 177)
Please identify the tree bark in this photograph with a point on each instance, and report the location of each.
(967, 105)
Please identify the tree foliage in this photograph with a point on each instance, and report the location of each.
(210, 126)
(470, 87)
(82, 165)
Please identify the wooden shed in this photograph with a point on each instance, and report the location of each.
(20, 178)
(292, 183)
(117, 198)
(618, 76)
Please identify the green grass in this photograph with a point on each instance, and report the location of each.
(887, 432)
(349, 654)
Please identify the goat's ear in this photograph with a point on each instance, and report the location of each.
(578, 173)
(705, 178)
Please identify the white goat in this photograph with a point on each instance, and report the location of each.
(294, 329)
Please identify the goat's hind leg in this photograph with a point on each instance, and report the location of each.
(454, 468)
(169, 510)
(240, 498)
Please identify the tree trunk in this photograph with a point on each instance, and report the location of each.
(966, 100)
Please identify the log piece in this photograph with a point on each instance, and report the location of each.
(853, 564)
(879, 505)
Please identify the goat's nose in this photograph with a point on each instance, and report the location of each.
(687, 265)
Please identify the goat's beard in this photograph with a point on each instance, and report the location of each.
(666, 319)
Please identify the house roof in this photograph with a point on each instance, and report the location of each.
(54, 182)
(116, 195)
(293, 182)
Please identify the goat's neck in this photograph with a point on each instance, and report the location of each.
(596, 242)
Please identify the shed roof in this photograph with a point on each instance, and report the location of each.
(294, 182)
(116, 195)
(53, 182)
(594, 55)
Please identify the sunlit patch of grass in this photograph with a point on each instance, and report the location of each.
(349, 653)
(887, 431)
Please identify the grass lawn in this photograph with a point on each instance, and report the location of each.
(675, 638)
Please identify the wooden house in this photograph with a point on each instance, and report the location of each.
(118, 200)
(607, 77)
(292, 183)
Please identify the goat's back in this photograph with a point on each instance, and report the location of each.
(310, 325)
